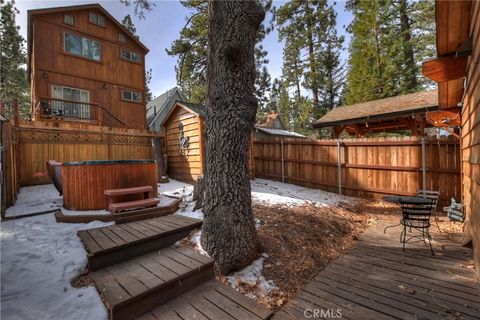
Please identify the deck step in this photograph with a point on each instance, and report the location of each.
(131, 288)
(135, 204)
(109, 245)
(210, 301)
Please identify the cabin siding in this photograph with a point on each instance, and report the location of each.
(104, 79)
(471, 138)
(188, 166)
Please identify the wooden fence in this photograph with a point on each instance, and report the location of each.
(30, 144)
(367, 168)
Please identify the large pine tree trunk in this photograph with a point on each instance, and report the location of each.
(311, 57)
(228, 231)
(408, 55)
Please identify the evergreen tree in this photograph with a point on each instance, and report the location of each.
(191, 52)
(13, 75)
(390, 39)
(311, 59)
(130, 26)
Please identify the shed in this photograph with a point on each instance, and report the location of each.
(159, 108)
(404, 112)
(185, 141)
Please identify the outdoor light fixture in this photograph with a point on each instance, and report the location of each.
(104, 86)
(45, 75)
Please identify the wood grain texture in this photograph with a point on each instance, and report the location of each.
(370, 167)
(84, 185)
(104, 79)
(471, 139)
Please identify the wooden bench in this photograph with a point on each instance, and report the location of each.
(110, 194)
(144, 203)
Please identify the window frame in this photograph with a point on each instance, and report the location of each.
(65, 19)
(81, 55)
(131, 91)
(96, 19)
(130, 52)
(122, 37)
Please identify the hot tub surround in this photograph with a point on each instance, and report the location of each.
(83, 182)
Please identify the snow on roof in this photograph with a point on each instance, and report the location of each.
(279, 132)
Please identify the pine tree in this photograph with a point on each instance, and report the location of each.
(130, 26)
(311, 58)
(13, 75)
(191, 52)
(390, 38)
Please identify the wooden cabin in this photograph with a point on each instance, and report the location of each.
(84, 66)
(185, 141)
(273, 127)
(457, 72)
(400, 113)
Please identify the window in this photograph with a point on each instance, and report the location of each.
(66, 105)
(132, 56)
(68, 19)
(81, 46)
(131, 96)
(122, 38)
(97, 19)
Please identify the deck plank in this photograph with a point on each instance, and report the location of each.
(377, 280)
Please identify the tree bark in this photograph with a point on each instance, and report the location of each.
(228, 231)
(311, 55)
(408, 55)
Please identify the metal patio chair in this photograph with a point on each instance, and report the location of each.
(416, 216)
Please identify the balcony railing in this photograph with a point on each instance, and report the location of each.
(49, 108)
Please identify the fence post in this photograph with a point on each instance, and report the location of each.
(424, 173)
(283, 162)
(339, 146)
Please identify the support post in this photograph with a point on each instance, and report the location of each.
(424, 173)
(283, 161)
(339, 146)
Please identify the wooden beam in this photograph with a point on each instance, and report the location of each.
(445, 68)
(337, 131)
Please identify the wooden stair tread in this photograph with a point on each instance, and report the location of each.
(133, 204)
(210, 301)
(135, 286)
(125, 191)
(117, 243)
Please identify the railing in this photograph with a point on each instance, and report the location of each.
(49, 108)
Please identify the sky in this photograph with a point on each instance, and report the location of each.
(161, 27)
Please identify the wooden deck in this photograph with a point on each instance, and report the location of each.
(135, 286)
(114, 244)
(377, 280)
(210, 301)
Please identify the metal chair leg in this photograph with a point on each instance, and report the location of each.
(430, 242)
(404, 237)
(392, 226)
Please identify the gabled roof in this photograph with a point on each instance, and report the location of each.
(380, 109)
(162, 105)
(270, 121)
(198, 109)
(280, 132)
(97, 6)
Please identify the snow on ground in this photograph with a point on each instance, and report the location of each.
(39, 258)
(273, 192)
(34, 199)
(252, 276)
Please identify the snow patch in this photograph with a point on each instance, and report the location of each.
(34, 199)
(39, 259)
(253, 278)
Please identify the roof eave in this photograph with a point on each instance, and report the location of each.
(320, 124)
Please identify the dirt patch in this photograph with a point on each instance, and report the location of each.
(300, 241)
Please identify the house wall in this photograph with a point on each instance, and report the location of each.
(189, 165)
(104, 79)
(471, 138)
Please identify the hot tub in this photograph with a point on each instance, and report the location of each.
(83, 182)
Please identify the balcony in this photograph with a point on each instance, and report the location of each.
(69, 110)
